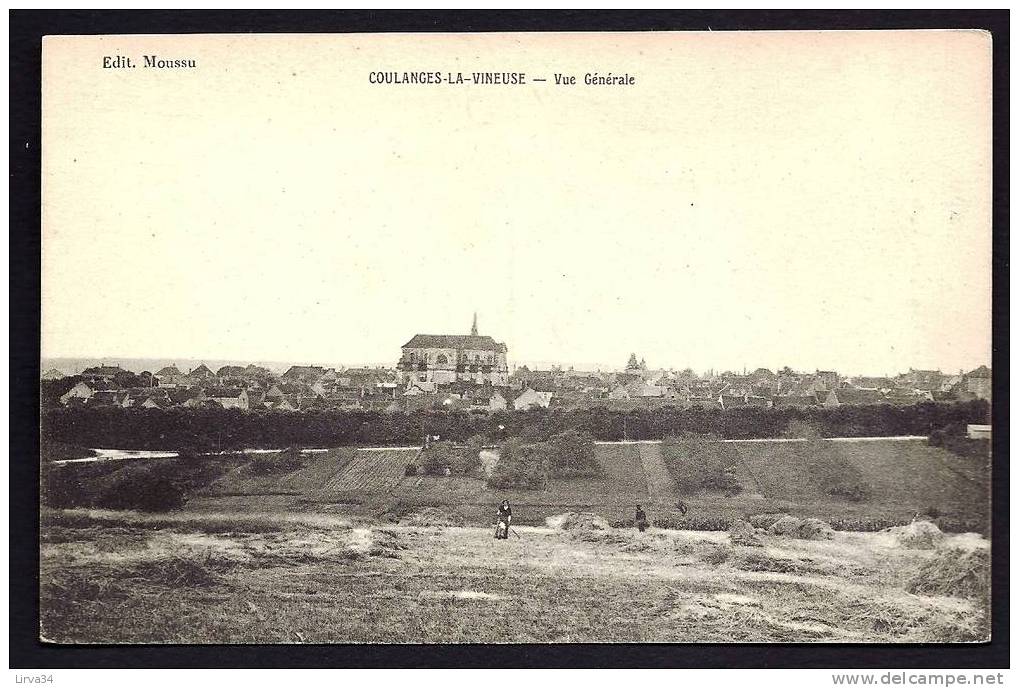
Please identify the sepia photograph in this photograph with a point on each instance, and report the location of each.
(516, 338)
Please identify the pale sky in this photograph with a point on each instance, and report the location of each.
(818, 200)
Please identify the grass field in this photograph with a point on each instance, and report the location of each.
(119, 577)
(903, 478)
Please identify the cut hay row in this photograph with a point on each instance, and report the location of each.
(375, 471)
(662, 489)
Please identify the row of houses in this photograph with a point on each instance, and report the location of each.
(637, 386)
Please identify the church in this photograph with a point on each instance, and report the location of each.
(448, 358)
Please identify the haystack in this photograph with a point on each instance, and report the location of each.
(954, 571)
(815, 529)
(787, 526)
(742, 533)
(917, 535)
(573, 520)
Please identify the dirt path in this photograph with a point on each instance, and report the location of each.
(661, 487)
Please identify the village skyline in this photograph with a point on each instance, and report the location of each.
(72, 365)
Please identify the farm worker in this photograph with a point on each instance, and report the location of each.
(505, 517)
(681, 506)
(641, 519)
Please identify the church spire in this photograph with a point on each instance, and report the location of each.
(474, 325)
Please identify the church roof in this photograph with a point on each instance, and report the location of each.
(455, 341)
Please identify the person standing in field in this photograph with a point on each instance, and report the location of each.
(640, 518)
(505, 517)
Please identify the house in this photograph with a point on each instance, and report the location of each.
(285, 403)
(850, 396)
(280, 390)
(416, 387)
(649, 390)
(201, 375)
(228, 397)
(922, 379)
(881, 384)
(229, 371)
(156, 402)
(180, 396)
(136, 396)
(827, 399)
(446, 358)
(307, 375)
(906, 397)
(488, 399)
(170, 377)
(619, 393)
(530, 398)
(52, 374)
(84, 390)
(102, 373)
(978, 382)
(107, 398)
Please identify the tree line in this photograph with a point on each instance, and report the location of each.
(225, 429)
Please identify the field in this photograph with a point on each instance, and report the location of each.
(120, 577)
(903, 479)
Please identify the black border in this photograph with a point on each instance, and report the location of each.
(26, 30)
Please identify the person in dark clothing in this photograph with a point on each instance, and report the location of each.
(641, 519)
(505, 517)
(681, 506)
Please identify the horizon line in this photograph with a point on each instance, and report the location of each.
(543, 365)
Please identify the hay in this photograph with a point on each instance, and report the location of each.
(764, 521)
(605, 537)
(183, 569)
(954, 572)
(433, 516)
(801, 529)
(573, 520)
(917, 535)
(815, 529)
(742, 533)
(787, 526)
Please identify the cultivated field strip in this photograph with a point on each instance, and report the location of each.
(624, 472)
(372, 471)
(661, 486)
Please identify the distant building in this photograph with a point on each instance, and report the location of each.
(170, 376)
(448, 358)
(531, 399)
(105, 373)
(308, 375)
(978, 382)
(52, 374)
(84, 390)
(228, 397)
(201, 375)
